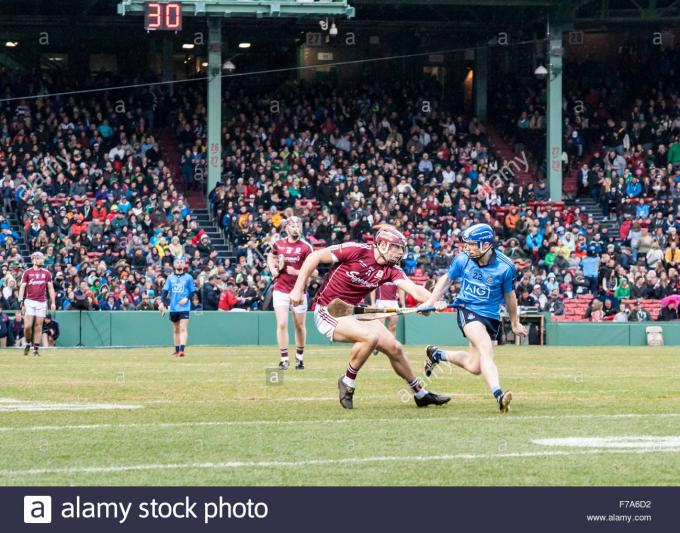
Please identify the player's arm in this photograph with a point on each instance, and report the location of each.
(53, 296)
(511, 303)
(307, 269)
(437, 292)
(273, 263)
(419, 292)
(373, 298)
(402, 297)
(165, 297)
(22, 290)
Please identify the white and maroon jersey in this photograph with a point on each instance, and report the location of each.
(294, 255)
(355, 274)
(387, 291)
(36, 283)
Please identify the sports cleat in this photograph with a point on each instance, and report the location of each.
(432, 398)
(36, 353)
(180, 354)
(431, 361)
(504, 401)
(174, 354)
(346, 394)
(283, 365)
(27, 349)
(299, 364)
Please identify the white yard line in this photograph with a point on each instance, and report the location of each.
(315, 462)
(646, 442)
(10, 404)
(331, 421)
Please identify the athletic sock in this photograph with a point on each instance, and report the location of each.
(177, 348)
(439, 355)
(299, 353)
(497, 393)
(181, 347)
(418, 390)
(284, 354)
(36, 346)
(350, 376)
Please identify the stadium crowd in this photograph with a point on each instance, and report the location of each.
(86, 178)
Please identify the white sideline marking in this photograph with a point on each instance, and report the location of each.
(312, 462)
(236, 423)
(9, 404)
(641, 442)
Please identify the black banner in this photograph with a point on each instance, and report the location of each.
(333, 509)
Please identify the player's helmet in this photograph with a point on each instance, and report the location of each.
(38, 258)
(479, 234)
(179, 263)
(294, 227)
(387, 236)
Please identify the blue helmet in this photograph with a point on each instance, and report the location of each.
(479, 234)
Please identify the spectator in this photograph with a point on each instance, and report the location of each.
(622, 315)
(210, 297)
(6, 331)
(668, 312)
(555, 304)
(639, 313)
(50, 332)
(597, 313)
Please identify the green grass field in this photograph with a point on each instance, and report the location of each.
(212, 419)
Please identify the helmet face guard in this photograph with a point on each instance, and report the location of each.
(294, 227)
(179, 264)
(37, 258)
(479, 235)
(391, 245)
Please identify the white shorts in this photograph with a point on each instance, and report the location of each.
(35, 308)
(282, 299)
(324, 322)
(384, 304)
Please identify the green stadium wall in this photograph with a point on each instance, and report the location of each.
(216, 328)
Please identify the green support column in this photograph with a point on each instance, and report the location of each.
(481, 82)
(554, 111)
(214, 102)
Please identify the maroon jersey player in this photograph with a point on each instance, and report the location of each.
(357, 270)
(36, 285)
(284, 261)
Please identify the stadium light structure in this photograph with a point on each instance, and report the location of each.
(215, 11)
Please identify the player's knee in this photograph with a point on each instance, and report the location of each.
(395, 349)
(282, 326)
(372, 338)
(475, 369)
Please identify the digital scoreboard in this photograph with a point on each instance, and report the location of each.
(163, 16)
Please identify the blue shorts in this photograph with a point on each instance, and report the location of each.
(176, 316)
(493, 326)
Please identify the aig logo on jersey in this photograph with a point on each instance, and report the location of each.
(476, 291)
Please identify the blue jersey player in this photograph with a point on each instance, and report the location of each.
(487, 280)
(177, 293)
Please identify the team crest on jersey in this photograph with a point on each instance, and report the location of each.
(379, 275)
(289, 250)
(489, 280)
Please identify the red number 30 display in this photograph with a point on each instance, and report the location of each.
(163, 16)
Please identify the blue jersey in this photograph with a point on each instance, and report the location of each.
(483, 288)
(180, 287)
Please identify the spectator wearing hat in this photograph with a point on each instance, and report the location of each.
(639, 313)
